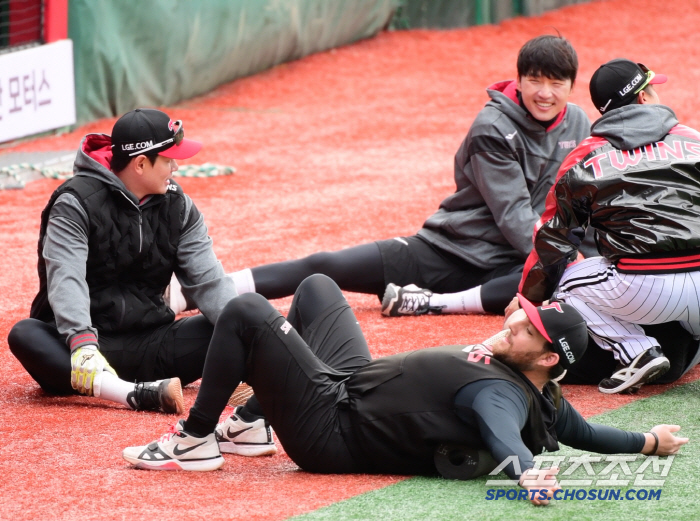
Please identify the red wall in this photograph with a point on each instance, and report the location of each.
(25, 21)
(27, 25)
(55, 20)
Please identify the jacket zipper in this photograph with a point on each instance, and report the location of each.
(138, 208)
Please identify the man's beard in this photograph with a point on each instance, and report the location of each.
(522, 362)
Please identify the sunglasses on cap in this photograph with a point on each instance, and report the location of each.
(176, 139)
(649, 76)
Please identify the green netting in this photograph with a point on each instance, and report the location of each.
(131, 53)
(18, 175)
(462, 13)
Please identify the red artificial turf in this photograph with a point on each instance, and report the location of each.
(336, 149)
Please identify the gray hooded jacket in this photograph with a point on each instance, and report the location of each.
(503, 171)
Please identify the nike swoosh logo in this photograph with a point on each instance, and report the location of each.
(179, 452)
(602, 109)
(231, 435)
(511, 136)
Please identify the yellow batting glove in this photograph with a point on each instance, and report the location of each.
(87, 364)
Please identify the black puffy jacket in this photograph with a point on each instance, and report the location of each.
(636, 181)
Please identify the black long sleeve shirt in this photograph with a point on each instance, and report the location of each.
(499, 410)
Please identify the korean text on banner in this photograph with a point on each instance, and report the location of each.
(37, 90)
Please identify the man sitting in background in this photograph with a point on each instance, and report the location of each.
(479, 238)
(636, 182)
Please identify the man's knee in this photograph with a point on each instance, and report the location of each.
(249, 307)
(318, 285)
(21, 335)
(319, 262)
(315, 294)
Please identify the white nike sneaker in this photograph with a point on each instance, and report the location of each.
(236, 436)
(177, 450)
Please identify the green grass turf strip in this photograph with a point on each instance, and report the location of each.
(435, 498)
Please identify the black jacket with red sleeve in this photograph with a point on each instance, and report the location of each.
(636, 181)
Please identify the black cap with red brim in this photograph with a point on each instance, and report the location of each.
(561, 325)
(151, 131)
(617, 83)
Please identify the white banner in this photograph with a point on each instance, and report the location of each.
(37, 90)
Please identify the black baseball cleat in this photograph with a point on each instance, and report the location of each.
(161, 396)
(627, 379)
(408, 300)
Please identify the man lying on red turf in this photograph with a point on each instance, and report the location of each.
(337, 411)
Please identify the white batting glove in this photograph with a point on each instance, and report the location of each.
(87, 364)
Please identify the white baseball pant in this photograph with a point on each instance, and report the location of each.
(614, 304)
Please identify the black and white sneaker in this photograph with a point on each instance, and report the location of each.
(245, 438)
(161, 395)
(627, 379)
(177, 450)
(408, 300)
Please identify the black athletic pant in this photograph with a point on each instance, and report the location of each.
(297, 368)
(176, 349)
(359, 269)
(368, 269)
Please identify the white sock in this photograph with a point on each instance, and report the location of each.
(111, 387)
(177, 300)
(468, 301)
(243, 280)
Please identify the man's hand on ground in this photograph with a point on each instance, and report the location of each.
(539, 483)
(668, 443)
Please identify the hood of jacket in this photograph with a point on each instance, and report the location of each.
(633, 126)
(93, 160)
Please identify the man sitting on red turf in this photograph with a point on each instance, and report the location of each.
(337, 411)
(110, 239)
(480, 236)
(635, 183)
